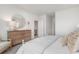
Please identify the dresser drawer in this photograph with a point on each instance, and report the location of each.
(16, 37)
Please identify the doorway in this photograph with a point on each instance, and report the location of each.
(35, 29)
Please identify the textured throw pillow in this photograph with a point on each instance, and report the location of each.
(76, 47)
(72, 42)
(63, 41)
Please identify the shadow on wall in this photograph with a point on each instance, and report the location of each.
(3, 29)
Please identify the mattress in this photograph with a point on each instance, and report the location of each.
(37, 46)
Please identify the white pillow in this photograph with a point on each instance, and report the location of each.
(63, 41)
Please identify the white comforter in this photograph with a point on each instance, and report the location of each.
(44, 45)
(37, 46)
(56, 48)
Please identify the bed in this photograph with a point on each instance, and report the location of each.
(56, 48)
(43, 45)
(36, 46)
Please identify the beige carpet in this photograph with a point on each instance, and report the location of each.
(12, 50)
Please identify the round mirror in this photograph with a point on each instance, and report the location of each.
(20, 21)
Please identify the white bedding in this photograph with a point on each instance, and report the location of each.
(56, 48)
(37, 46)
(44, 45)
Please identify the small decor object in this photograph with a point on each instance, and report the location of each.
(22, 41)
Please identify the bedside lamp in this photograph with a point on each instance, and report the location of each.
(77, 28)
(77, 25)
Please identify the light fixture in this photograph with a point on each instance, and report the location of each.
(77, 25)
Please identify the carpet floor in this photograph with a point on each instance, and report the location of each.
(12, 50)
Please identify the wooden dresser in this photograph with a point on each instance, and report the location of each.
(17, 36)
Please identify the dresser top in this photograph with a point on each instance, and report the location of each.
(18, 30)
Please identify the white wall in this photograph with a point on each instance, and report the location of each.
(42, 26)
(7, 11)
(66, 20)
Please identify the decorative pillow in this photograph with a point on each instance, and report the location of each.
(76, 45)
(72, 42)
(63, 41)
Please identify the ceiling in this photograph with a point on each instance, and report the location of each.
(45, 8)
